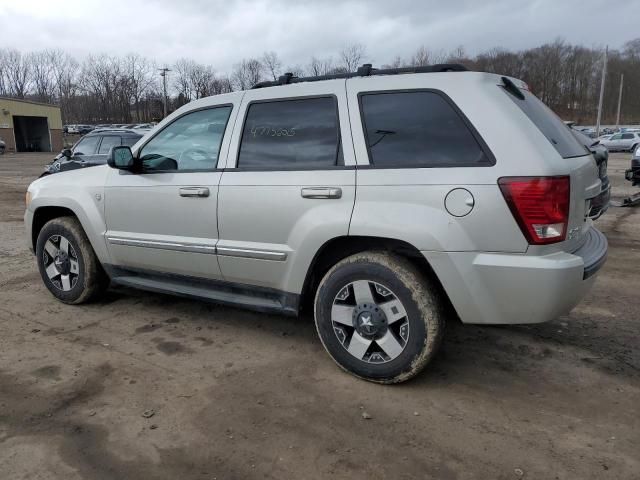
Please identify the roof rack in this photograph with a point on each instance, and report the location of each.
(365, 70)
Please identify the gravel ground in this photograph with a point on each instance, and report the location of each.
(150, 386)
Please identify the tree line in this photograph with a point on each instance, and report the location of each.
(124, 89)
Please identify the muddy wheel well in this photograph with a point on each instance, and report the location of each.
(42, 215)
(341, 247)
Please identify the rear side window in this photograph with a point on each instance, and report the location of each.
(130, 141)
(549, 124)
(418, 129)
(291, 134)
(107, 144)
(627, 136)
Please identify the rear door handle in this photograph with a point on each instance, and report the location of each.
(321, 192)
(194, 192)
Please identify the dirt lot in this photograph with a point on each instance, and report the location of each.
(236, 394)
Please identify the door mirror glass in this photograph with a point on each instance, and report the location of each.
(121, 157)
(67, 153)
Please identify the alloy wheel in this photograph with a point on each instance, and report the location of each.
(60, 262)
(370, 321)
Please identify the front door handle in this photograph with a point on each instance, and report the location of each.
(321, 192)
(194, 192)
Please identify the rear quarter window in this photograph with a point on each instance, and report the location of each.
(549, 124)
(419, 129)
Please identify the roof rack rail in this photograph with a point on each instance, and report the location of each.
(364, 71)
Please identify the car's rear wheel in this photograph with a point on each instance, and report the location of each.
(379, 317)
(67, 263)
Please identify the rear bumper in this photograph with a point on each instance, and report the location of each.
(495, 288)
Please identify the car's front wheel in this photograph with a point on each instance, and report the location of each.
(67, 263)
(379, 317)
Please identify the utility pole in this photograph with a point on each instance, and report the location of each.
(619, 100)
(604, 74)
(163, 74)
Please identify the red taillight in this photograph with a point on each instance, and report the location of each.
(540, 205)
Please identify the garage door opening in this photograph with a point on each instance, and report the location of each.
(32, 134)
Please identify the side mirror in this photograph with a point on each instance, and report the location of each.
(67, 153)
(121, 158)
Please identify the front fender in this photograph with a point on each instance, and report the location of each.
(82, 192)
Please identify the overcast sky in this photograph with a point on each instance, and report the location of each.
(220, 32)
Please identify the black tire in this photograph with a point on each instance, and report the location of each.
(419, 296)
(90, 280)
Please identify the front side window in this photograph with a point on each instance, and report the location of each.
(192, 142)
(107, 144)
(616, 137)
(86, 146)
(417, 129)
(291, 134)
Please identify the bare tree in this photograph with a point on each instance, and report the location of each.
(247, 73)
(40, 64)
(320, 66)
(65, 72)
(272, 64)
(352, 56)
(182, 75)
(420, 58)
(141, 76)
(17, 73)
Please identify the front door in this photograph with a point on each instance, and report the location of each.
(163, 220)
(289, 185)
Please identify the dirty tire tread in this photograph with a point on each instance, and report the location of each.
(95, 280)
(426, 295)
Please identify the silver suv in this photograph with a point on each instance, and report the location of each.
(373, 199)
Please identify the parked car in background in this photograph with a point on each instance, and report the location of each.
(3, 147)
(91, 150)
(626, 141)
(633, 174)
(600, 203)
(470, 192)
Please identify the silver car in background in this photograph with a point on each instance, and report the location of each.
(371, 199)
(622, 142)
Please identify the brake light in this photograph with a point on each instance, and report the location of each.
(540, 205)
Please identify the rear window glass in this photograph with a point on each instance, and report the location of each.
(417, 129)
(549, 124)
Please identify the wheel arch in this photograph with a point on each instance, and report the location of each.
(338, 248)
(44, 214)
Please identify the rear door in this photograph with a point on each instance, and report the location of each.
(289, 185)
(107, 143)
(627, 140)
(614, 142)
